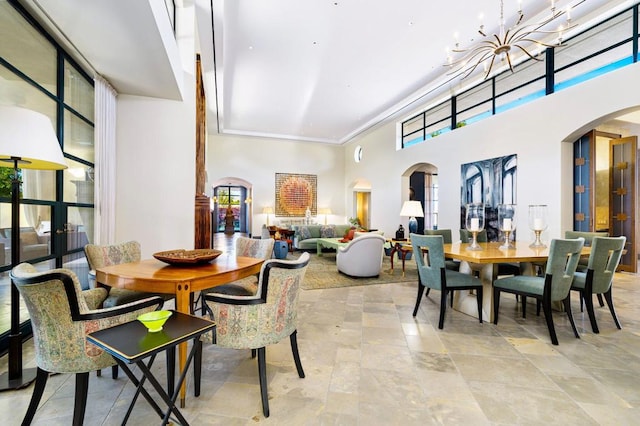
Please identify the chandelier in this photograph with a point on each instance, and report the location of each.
(507, 43)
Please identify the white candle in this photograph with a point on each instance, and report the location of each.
(475, 224)
(506, 225)
(537, 224)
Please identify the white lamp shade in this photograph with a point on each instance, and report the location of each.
(267, 210)
(412, 209)
(28, 136)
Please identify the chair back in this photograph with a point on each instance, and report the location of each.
(562, 264)
(465, 236)
(107, 255)
(604, 259)
(271, 315)
(446, 234)
(429, 263)
(53, 299)
(588, 236)
(252, 247)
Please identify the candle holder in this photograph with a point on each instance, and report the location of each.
(507, 223)
(538, 223)
(474, 222)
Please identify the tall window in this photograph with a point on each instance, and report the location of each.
(56, 214)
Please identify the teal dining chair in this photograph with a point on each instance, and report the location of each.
(554, 286)
(598, 279)
(428, 252)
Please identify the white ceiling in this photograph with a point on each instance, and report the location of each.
(314, 70)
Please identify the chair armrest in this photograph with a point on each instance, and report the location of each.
(96, 314)
(94, 297)
(230, 299)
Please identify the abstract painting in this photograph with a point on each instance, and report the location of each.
(295, 193)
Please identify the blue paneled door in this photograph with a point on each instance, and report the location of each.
(583, 178)
(622, 200)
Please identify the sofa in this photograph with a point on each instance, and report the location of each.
(306, 236)
(32, 245)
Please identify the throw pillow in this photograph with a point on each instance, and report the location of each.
(327, 231)
(304, 233)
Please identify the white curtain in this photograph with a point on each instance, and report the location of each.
(105, 170)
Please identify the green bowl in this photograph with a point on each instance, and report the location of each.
(154, 320)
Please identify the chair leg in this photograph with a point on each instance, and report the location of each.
(253, 353)
(524, 306)
(443, 307)
(451, 293)
(567, 308)
(262, 373)
(496, 304)
(546, 307)
(36, 396)
(197, 367)
(588, 301)
(114, 372)
(600, 301)
(609, 299)
(428, 290)
(479, 300)
(82, 386)
(296, 355)
(419, 298)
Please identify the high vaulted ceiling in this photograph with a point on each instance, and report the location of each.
(315, 70)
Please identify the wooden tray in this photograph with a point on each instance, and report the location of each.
(187, 257)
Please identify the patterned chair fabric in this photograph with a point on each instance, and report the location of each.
(603, 261)
(245, 247)
(101, 256)
(553, 287)
(253, 322)
(433, 274)
(61, 316)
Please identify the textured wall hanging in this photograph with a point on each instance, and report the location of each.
(295, 193)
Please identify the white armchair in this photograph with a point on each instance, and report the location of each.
(362, 257)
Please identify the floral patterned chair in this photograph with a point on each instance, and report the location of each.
(245, 247)
(253, 322)
(61, 316)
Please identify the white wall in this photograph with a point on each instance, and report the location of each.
(535, 132)
(257, 160)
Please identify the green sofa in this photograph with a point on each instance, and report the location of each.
(306, 236)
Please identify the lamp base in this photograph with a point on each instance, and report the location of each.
(413, 225)
(26, 378)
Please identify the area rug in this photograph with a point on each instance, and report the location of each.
(322, 273)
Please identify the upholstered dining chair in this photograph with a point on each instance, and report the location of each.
(99, 256)
(432, 273)
(584, 261)
(603, 261)
(447, 238)
(554, 286)
(253, 322)
(62, 315)
(362, 256)
(244, 247)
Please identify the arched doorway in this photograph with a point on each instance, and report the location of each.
(234, 194)
(420, 183)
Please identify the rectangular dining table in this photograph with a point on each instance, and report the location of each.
(182, 281)
(485, 263)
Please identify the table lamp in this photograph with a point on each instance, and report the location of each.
(412, 209)
(267, 211)
(27, 141)
(325, 212)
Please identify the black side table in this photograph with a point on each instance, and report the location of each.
(131, 343)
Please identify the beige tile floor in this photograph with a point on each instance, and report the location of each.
(369, 362)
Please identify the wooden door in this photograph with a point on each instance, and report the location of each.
(622, 198)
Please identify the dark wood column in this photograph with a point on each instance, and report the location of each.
(202, 238)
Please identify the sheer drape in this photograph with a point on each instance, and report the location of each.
(105, 153)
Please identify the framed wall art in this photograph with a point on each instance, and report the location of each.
(295, 193)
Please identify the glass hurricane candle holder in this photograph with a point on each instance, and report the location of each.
(507, 223)
(538, 222)
(474, 222)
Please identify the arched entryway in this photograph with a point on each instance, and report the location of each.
(420, 183)
(232, 194)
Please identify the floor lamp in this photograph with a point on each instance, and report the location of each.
(27, 141)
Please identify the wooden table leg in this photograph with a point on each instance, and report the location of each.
(183, 293)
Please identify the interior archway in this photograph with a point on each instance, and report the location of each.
(236, 193)
(420, 183)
